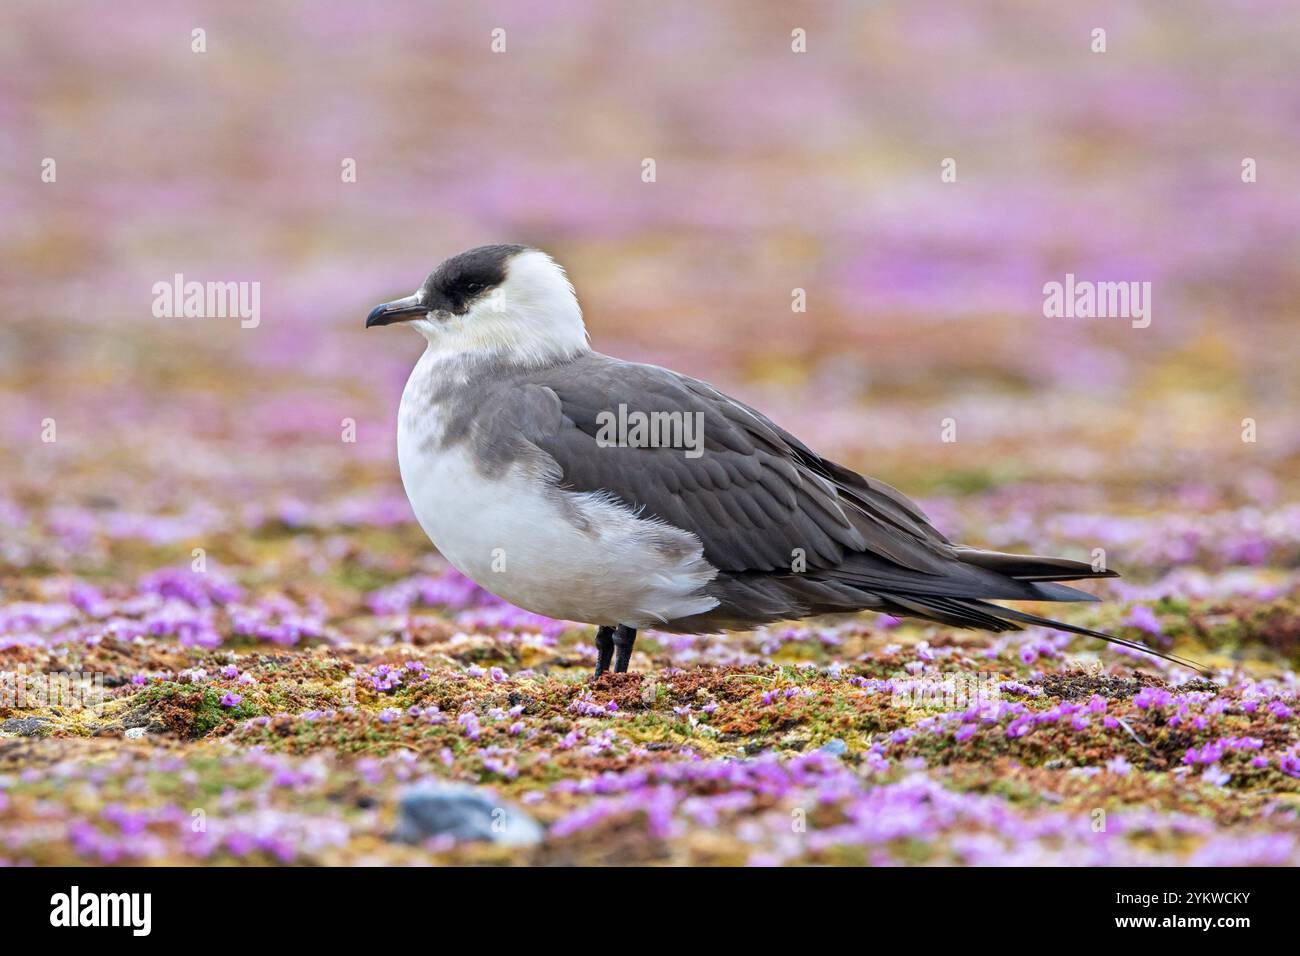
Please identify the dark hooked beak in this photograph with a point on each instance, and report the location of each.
(399, 310)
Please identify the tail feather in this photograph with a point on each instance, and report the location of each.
(1048, 591)
(962, 596)
(1111, 638)
(1031, 567)
(951, 611)
(994, 617)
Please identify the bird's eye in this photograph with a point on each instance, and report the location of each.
(474, 288)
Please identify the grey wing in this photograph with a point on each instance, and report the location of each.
(756, 496)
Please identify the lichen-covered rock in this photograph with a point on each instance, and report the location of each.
(26, 726)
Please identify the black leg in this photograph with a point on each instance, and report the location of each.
(604, 648)
(624, 638)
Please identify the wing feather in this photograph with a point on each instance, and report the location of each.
(756, 494)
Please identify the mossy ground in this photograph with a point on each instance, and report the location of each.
(764, 747)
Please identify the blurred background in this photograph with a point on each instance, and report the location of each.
(774, 171)
(326, 656)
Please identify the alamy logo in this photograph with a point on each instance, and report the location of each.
(208, 300)
(24, 690)
(948, 691)
(624, 429)
(103, 909)
(1082, 299)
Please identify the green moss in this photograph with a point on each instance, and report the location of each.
(211, 714)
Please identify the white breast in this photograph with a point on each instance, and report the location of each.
(577, 557)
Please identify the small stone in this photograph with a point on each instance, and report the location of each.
(134, 733)
(26, 726)
(462, 812)
(835, 747)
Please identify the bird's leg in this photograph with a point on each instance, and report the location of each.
(624, 638)
(604, 649)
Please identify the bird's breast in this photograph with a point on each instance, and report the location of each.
(577, 557)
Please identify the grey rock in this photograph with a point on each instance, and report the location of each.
(142, 716)
(26, 726)
(134, 733)
(835, 747)
(464, 813)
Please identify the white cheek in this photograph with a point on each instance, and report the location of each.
(491, 308)
(495, 301)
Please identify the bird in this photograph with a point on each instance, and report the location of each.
(627, 496)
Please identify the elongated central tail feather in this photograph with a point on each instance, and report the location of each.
(994, 617)
(1088, 632)
(1006, 615)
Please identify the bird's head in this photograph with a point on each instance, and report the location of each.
(504, 301)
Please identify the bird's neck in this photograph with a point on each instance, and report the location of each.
(439, 369)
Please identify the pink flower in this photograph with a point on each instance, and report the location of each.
(1144, 619)
(1151, 698)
